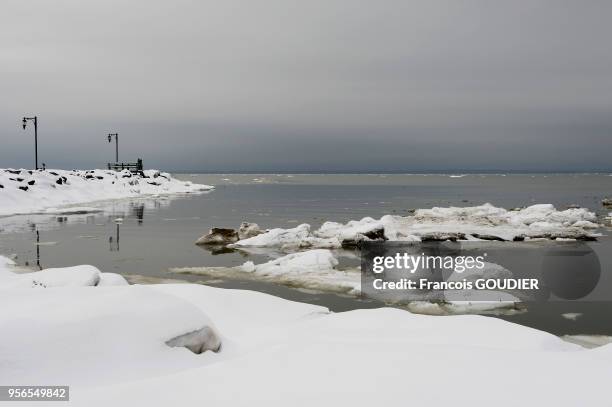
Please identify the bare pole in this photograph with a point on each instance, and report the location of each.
(116, 136)
(36, 141)
(35, 120)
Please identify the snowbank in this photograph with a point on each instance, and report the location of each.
(85, 335)
(113, 346)
(54, 335)
(77, 276)
(283, 353)
(28, 191)
(484, 222)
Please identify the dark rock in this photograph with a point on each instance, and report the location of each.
(23, 188)
(215, 249)
(59, 181)
(99, 177)
(1, 186)
(17, 172)
(376, 235)
(607, 202)
(32, 182)
(247, 230)
(442, 237)
(153, 183)
(219, 236)
(53, 173)
(573, 234)
(197, 341)
(488, 237)
(577, 234)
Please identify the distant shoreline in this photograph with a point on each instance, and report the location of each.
(492, 172)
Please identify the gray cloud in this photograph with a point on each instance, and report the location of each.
(311, 85)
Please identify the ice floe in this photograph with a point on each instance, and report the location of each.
(313, 269)
(484, 222)
(317, 270)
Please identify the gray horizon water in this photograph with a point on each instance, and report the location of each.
(159, 233)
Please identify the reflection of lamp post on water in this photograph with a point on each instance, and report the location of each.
(38, 250)
(110, 138)
(35, 120)
(114, 247)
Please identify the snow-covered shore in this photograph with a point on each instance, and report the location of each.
(28, 191)
(110, 343)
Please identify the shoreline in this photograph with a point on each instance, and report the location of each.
(27, 192)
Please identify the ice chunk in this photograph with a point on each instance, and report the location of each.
(312, 269)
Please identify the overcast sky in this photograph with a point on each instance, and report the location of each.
(310, 85)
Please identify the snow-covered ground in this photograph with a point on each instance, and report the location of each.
(471, 223)
(28, 191)
(109, 343)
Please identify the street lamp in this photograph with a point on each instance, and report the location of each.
(35, 120)
(116, 136)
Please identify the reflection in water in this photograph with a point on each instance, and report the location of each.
(114, 242)
(138, 212)
(38, 250)
(216, 249)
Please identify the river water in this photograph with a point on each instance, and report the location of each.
(159, 233)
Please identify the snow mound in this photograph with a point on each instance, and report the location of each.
(329, 353)
(111, 279)
(484, 222)
(113, 334)
(27, 191)
(77, 276)
(122, 337)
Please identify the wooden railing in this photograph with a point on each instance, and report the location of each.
(133, 167)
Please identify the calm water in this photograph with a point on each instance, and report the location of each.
(157, 234)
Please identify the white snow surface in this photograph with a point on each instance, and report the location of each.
(46, 190)
(108, 343)
(77, 276)
(486, 219)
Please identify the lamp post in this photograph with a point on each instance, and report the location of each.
(116, 136)
(35, 120)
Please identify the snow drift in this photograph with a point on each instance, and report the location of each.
(113, 346)
(77, 276)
